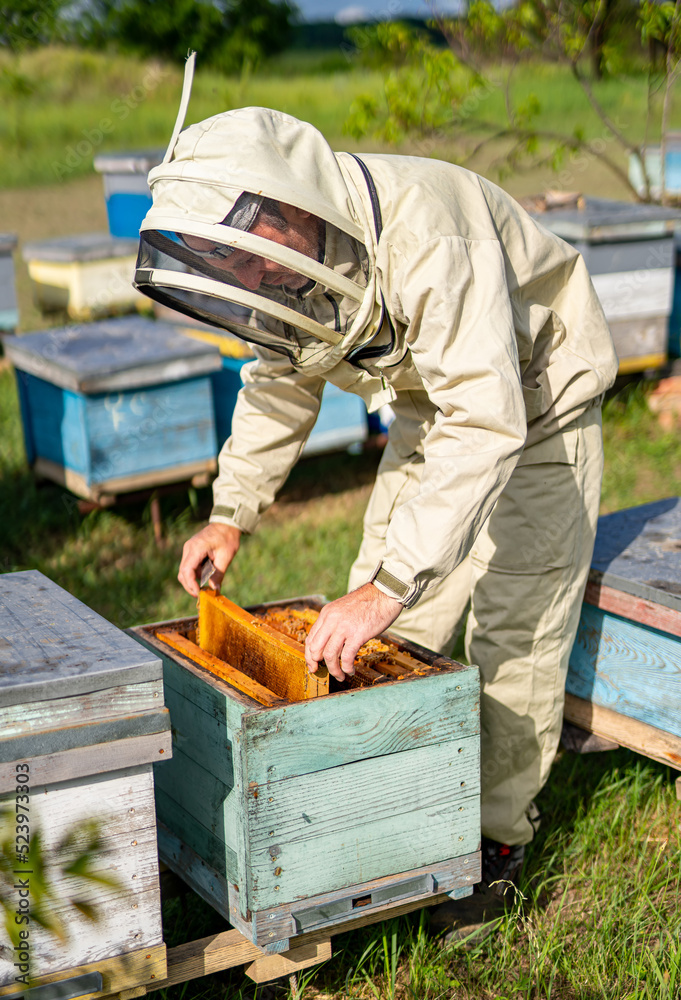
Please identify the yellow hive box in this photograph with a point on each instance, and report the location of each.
(89, 276)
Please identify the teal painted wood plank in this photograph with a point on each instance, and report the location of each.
(194, 871)
(70, 737)
(323, 831)
(194, 834)
(369, 722)
(200, 736)
(202, 795)
(627, 667)
(241, 830)
(95, 706)
(197, 686)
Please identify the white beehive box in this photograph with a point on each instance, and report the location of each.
(82, 720)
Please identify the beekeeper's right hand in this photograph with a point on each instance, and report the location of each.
(218, 542)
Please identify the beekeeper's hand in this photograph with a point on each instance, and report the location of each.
(218, 542)
(345, 624)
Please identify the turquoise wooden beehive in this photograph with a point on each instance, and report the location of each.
(117, 405)
(292, 816)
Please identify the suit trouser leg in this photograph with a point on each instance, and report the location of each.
(525, 578)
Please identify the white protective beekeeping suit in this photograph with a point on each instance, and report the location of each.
(429, 288)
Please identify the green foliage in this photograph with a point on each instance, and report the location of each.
(25, 24)
(427, 92)
(75, 857)
(226, 34)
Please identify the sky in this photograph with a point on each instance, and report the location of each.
(366, 10)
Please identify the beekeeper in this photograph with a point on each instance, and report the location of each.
(418, 283)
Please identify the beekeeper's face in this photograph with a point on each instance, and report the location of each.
(302, 233)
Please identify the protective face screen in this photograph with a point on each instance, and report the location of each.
(295, 297)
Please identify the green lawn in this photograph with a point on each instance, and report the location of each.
(62, 106)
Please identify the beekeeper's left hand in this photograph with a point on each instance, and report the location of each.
(345, 624)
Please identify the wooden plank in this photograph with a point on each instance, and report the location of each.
(677, 784)
(202, 737)
(631, 733)
(321, 831)
(629, 668)
(455, 877)
(263, 970)
(636, 609)
(201, 794)
(127, 352)
(53, 646)
(97, 759)
(269, 656)
(56, 741)
(180, 673)
(130, 916)
(208, 955)
(79, 485)
(637, 551)
(217, 666)
(192, 833)
(93, 706)
(146, 966)
(179, 857)
(361, 724)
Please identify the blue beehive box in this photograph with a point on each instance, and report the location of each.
(624, 681)
(115, 406)
(127, 194)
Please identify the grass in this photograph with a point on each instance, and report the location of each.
(61, 106)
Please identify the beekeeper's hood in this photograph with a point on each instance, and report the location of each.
(253, 229)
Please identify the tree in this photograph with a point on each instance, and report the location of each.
(27, 23)
(430, 91)
(225, 33)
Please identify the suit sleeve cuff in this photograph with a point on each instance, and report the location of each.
(238, 517)
(388, 583)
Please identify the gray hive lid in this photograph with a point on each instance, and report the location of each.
(132, 162)
(8, 241)
(112, 355)
(83, 248)
(604, 220)
(53, 646)
(638, 551)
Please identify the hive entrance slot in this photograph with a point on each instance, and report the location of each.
(360, 901)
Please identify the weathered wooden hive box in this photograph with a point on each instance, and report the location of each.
(624, 680)
(89, 275)
(116, 406)
(629, 251)
(82, 721)
(9, 313)
(289, 809)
